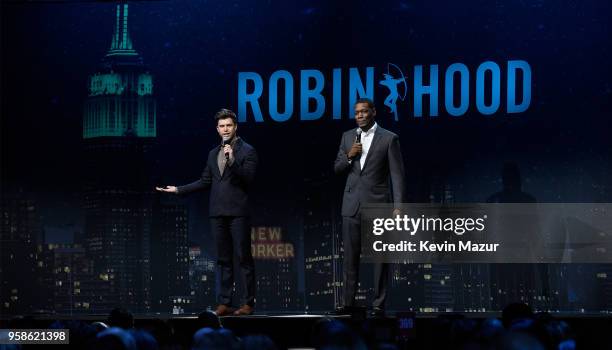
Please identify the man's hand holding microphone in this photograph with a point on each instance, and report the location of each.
(357, 148)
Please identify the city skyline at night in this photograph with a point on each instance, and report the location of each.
(105, 101)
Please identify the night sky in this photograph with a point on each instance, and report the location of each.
(195, 50)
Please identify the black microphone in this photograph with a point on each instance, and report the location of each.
(358, 136)
(226, 141)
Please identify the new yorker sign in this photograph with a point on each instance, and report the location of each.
(267, 243)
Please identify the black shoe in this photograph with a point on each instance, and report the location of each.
(377, 312)
(339, 311)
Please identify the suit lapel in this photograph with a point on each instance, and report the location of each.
(237, 148)
(375, 142)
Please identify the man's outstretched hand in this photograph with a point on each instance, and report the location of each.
(169, 189)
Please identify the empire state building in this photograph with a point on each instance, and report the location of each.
(120, 101)
(119, 130)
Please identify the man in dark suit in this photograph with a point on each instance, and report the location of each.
(372, 158)
(229, 173)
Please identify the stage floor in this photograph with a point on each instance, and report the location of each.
(296, 330)
(317, 315)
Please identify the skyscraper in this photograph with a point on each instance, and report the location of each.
(438, 279)
(322, 246)
(120, 101)
(276, 266)
(406, 286)
(201, 279)
(20, 228)
(119, 130)
(170, 254)
(72, 287)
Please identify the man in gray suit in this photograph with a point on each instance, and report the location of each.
(372, 158)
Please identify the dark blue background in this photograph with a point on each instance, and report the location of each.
(196, 48)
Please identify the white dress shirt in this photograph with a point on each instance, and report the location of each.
(366, 142)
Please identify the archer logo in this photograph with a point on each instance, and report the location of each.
(391, 82)
(454, 92)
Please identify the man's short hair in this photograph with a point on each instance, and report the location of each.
(225, 114)
(367, 101)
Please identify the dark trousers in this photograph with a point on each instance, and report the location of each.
(351, 236)
(232, 234)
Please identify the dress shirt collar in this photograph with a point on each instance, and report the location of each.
(371, 130)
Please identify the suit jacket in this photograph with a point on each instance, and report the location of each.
(229, 193)
(382, 178)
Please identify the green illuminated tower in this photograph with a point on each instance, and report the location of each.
(119, 134)
(120, 100)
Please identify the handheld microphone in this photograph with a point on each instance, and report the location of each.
(226, 141)
(358, 136)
